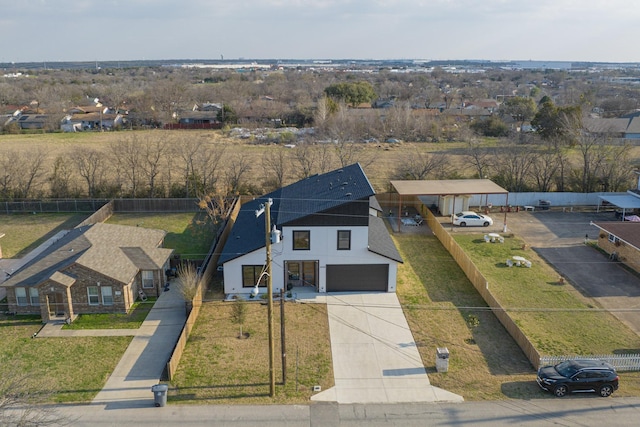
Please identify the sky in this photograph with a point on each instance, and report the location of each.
(111, 30)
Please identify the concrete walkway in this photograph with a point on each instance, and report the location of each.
(142, 364)
(375, 358)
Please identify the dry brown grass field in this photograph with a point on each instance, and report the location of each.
(380, 160)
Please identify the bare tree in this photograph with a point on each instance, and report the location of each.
(544, 169)
(239, 315)
(479, 157)
(275, 163)
(323, 157)
(321, 115)
(187, 150)
(30, 171)
(169, 96)
(216, 206)
(594, 149)
(418, 165)
(153, 152)
(200, 165)
(304, 158)
(207, 165)
(347, 152)
(21, 396)
(513, 165)
(60, 178)
(9, 169)
(237, 168)
(126, 156)
(617, 170)
(91, 166)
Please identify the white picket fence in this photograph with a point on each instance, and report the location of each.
(622, 362)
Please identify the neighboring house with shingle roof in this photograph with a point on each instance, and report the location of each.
(620, 239)
(99, 268)
(332, 238)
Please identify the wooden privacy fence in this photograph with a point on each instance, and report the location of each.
(178, 349)
(209, 268)
(622, 362)
(481, 284)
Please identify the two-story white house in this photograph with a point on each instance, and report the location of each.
(331, 238)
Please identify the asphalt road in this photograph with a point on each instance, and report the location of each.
(571, 411)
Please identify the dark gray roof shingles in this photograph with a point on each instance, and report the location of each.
(312, 195)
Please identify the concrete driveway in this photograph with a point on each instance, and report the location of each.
(559, 237)
(375, 358)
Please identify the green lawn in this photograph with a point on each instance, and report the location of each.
(132, 320)
(190, 235)
(74, 369)
(24, 232)
(557, 319)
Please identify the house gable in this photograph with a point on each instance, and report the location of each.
(314, 200)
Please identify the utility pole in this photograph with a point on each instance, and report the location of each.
(282, 342)
(267, 209)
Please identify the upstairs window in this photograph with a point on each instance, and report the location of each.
(301, 240)
(344, 240)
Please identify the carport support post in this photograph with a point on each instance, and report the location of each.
(399, 212)
(504, 228)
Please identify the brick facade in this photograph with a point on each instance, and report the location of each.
(624, 253)
(55, 297)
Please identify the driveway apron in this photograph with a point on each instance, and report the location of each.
(375, 358)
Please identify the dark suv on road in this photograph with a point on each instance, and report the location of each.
(578, 376)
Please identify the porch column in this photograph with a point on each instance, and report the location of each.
(68, 303)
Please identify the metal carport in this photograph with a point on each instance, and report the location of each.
(622, 201)
(448, 187)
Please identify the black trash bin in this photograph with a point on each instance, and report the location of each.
(160, 394)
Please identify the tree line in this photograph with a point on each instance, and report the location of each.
(161, 164)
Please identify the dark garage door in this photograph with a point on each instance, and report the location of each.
(360, 277)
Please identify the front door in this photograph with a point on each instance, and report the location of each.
(56, 304)
(301, 273)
